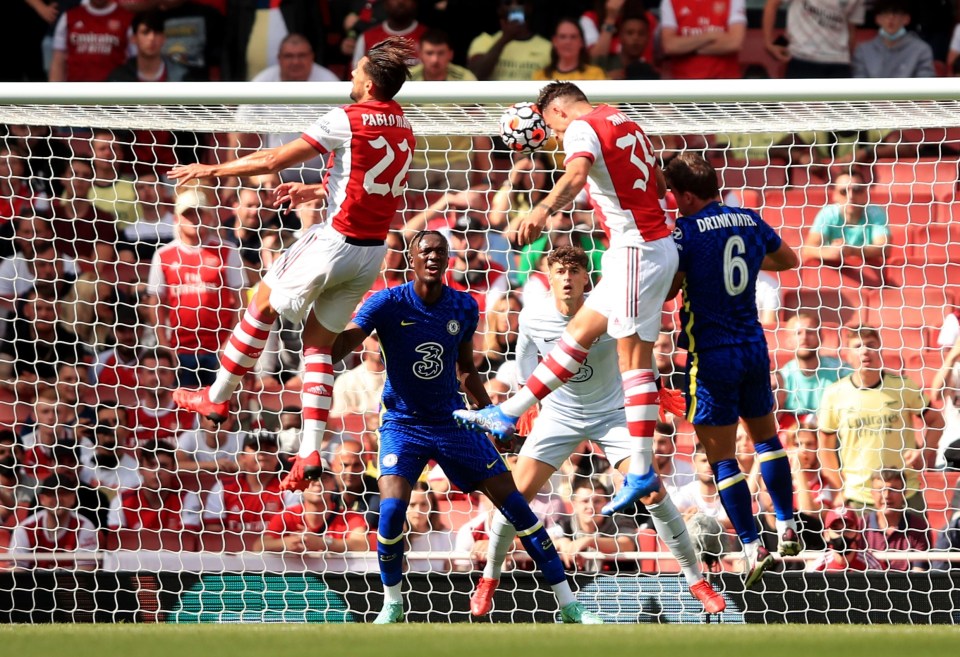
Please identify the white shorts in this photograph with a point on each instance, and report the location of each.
(323, 270)
(553, 438)
(634, 286)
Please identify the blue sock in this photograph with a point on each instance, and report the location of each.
(534, 537)
(393, 513)
(735, 497)
(775, 470)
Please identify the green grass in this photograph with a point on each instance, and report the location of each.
(419, 640)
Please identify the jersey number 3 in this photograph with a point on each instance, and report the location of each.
(431, 365)
(735, 271)
(643, 160)
(370, 178)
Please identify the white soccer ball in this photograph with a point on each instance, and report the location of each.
(522, 128)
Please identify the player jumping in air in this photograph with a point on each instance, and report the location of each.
(329, 269)
(426, 333)
(589, 407)
(722, 250)
(609, 155)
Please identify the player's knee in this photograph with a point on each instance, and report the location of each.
(393, 513)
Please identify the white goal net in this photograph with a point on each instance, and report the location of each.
(116, 506)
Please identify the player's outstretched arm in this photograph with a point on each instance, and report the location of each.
(562, 195)
(782, 259)
(269, 160)
(351, 338)
(469, 376)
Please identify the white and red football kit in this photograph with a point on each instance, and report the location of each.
(380, 32)
(95, 41)
(161, 424)
(241, 509)
(293, 521)
(115, 378)
(199, 286)
(697, 17)
(43, 532)
(640, 264)
(133, 509)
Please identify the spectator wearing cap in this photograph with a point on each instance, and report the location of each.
(471, 268)
(159, 513)
(320, 524)
(893, 527)
(55, 526)
(194, 287)
(846, 547)
(243, 504)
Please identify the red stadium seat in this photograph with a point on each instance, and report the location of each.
(936, 243)
(939, 488)
(926, 175)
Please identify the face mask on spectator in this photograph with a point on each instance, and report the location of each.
(896, 36)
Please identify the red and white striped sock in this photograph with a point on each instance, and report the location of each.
(240, 354)
(557, 368)
(642, 403)
(316, 396)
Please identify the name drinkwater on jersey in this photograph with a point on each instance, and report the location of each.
(725, 221)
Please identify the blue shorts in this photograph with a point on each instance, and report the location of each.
(467, 457)
(728, 383)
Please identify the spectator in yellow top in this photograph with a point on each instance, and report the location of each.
(569, 57)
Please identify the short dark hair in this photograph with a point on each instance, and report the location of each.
(260, 439)
(387, 65)
(415, 242)
(436, 37)
(862, 332)
(558, 89)
(152, 19)
(690, 172)
(152, 449)
(891, 7)
(54, 483)
(568, 255)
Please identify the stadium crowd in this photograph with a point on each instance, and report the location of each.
(116, 287)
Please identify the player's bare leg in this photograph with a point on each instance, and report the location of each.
(776, 473)
(239, 355)
(394, 498)
(560, 365)
(719, 443)
(503, 492)
(316, 396)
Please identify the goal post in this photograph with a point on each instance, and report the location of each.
(779, 147)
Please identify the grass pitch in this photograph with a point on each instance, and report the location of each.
(464, 640)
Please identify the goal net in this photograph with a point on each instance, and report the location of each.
(115, 506)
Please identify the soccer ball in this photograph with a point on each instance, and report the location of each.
(522, 128)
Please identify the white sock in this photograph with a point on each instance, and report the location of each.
(224, 386)
(673, 532)
(501, 534)
(392, 594)
(563, 593)
(784, 525)
(750, 550)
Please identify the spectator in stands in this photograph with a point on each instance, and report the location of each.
(106, 464)
(948, 540)
(358, 490)
(155, 417)
(212, 447)
(401, 20)
(15, 497)
(243, 504)
(813, 497)
(194, 286)
(501, 330)
(320, 524)
(867, 423)
(819, 37)
(150, 64)
(36, 258)
(946, 386)
(77, 223)
(427, 531)
(112, 190)
(295, 64)
(115, 373)
(445, 162)
(471, 268)
(569, 57)
(194, 31)
(846, 547)
(513, 53)
(91, 503)
(703, 41)
(891, 526)
(357, 391)
(157, 223)
(706, 519)
(252, 32)
(55, 527)
(631, 63)
(807, 375)
(291, 426)
(159, 513)
(35, 344)
(894, 52)
(603, 28)
(48, 430)
(587, 530)
(673, 472)
(849, 231)
(89, 41)
(253, 216)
